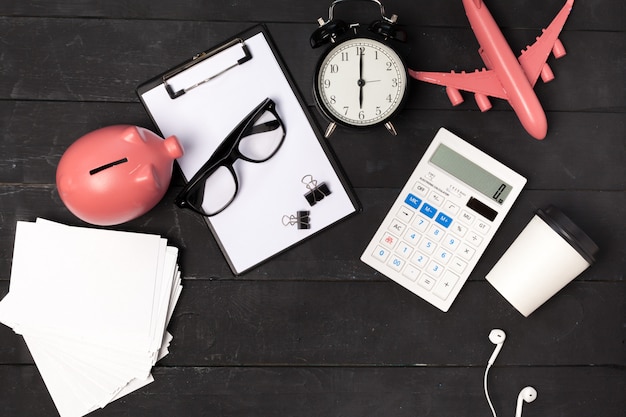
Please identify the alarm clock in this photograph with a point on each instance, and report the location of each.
(360, 80)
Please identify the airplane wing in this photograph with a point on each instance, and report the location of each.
(534, 57)
(482, 82)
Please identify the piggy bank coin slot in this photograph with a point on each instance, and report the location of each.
(107, 166)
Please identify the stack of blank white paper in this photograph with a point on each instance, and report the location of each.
(93, 307)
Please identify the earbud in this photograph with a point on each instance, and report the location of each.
(528, 394)
(497, 337)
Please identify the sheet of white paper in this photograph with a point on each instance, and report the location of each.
(251, 228)
(102, 281)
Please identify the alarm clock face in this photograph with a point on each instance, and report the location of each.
(360, 82)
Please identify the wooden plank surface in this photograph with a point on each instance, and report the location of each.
(315, 332)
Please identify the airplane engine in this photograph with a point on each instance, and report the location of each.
(454, 95)
(483, 102)
(558, 50)
(546, 73)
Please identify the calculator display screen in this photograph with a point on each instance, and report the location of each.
(471, 174)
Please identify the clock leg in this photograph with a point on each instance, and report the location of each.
(391, 129)
(330, 129)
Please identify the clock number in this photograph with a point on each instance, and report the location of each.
(360, 50)
(389, 99)
(376, 55)
(394, 82)
(327, 83)
(378, 111)
(345, 110)
(344, 56)
(361, 115)
(389, 66)
(334, 68)
(333, 99)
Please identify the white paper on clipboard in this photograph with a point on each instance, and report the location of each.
(251, 229)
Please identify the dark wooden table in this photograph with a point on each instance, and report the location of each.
(315, 332)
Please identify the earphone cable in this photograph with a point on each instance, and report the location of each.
(493, 411)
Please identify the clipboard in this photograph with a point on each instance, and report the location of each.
(296, 194)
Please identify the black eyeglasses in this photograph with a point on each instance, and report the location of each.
(256, 139)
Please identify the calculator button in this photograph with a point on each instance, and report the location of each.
(396, 263)
(389, 240)
(420, 223)
(427, 282)
(443, 219)
(397, 227)
(442, 255)
(427, 246)
(445, 285)
(381, 253)
(411, 272)
(404, 250)
(467, 218)
(474, 239)
(451, 207)
(420, 189)
(459, 229)
(413, 201)
(428, 210)
(434, 269)
(435, 233)
(451, 242)
(436, 199)
(412, 236)
(458, 265)
(466, 251)
(420, 259)
(482, 227)
(405, 214)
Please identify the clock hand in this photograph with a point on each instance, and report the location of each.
(361, 82)
(361, 66)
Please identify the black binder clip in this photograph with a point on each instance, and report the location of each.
(301, 219)
(316, 192)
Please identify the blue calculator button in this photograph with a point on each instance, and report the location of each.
(413, 201)
(428, 210)
(443, 220)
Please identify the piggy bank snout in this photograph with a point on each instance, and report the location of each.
(173, 147)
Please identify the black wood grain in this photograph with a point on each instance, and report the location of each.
(586, 15)
(334, 254)
(582, 151)
(74, 64)
(314, 331)
(245, 323)
(329, 391)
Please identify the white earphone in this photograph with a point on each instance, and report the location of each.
(497, 337)
(528, 394)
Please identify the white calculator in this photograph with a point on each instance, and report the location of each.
(443, 219)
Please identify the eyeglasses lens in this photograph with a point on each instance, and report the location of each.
(262, 138)
(214, 193)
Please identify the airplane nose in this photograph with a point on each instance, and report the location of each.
(537, 127)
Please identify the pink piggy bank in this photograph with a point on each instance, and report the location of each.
(116, 174)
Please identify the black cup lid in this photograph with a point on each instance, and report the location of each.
(572, 234)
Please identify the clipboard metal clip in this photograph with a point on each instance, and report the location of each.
(199, 58)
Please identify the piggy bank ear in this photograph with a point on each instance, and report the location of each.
(147, 176)
(133, 135)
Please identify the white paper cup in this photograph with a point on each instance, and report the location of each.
(549, 253)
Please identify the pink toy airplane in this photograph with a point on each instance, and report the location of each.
(505, 77)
